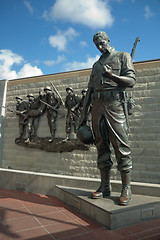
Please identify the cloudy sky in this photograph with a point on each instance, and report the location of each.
(51, 36)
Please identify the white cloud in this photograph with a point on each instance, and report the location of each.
(61, 39)
(54, 62)
(81, 65)
(29, 7)
(92, 13)
(29, 71)
(148, 13)
(83, 44)
(8, 60)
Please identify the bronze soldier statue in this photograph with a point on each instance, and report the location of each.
(21, 110)
(53, 104)
(71, 103)
(110, 76)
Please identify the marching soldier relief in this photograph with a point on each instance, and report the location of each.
(49, 102)
(71, 103)
(52, 110)
(21, 109)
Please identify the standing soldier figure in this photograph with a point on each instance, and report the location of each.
(35, 109)
(71, 103)
(80, 107)
(52, 112)
(33, 120)
(21, 110)
(110, 76)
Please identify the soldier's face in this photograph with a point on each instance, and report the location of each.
(69, 92)
(47, 92)
(31, 99)
(102, 44)
(18, 100)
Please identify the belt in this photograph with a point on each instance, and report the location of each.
(99, 90)
(101, 94)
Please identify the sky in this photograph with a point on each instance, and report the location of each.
(39, 37)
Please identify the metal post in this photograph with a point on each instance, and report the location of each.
(3, 93)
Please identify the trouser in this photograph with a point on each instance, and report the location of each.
(71, 120)
(109, 126)
(52, 122)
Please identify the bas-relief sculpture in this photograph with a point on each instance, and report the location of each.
(50, 102)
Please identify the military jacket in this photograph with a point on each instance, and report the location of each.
(121, 65)
(21, 106)
(71, 101)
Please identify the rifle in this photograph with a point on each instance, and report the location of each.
(54, 88)
(125, 106)
(134, 47)
(56, 110)
(15, 111)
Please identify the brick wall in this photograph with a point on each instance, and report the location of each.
(144, 128)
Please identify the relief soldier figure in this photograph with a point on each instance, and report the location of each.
(80, 107)
(35, 108)
(33, 116)
(71, 103)
(53, 104)
(110, 76)
(21, 110)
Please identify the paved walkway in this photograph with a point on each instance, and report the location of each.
(39, 217)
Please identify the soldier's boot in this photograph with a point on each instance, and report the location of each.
(105, 188)
(28, 140)
(67, 138)
(35, 129)
(52, 137)
(18, 140)
(125, 196)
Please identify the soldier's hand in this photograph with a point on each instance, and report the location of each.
(107, 71)
(73, 109)
(25, 117)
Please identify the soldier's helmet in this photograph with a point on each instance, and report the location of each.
(18, 97)
(69, 88)
(47, 88)
(85, 135)
(83, 91)
(30, 95)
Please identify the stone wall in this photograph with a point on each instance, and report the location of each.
(144, 128)
(145, 123)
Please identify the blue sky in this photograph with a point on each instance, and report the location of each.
(51, 36)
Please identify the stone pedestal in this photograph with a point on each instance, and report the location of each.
(107, 211)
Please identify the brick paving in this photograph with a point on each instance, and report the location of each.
(39, 217)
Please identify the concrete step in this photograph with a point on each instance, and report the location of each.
(107, 211)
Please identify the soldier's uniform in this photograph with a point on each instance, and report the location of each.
(33, 115)
(21, 108)
(80, 108)
(71, 103)
(108, 116)
(111, 74)
(52, 114)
